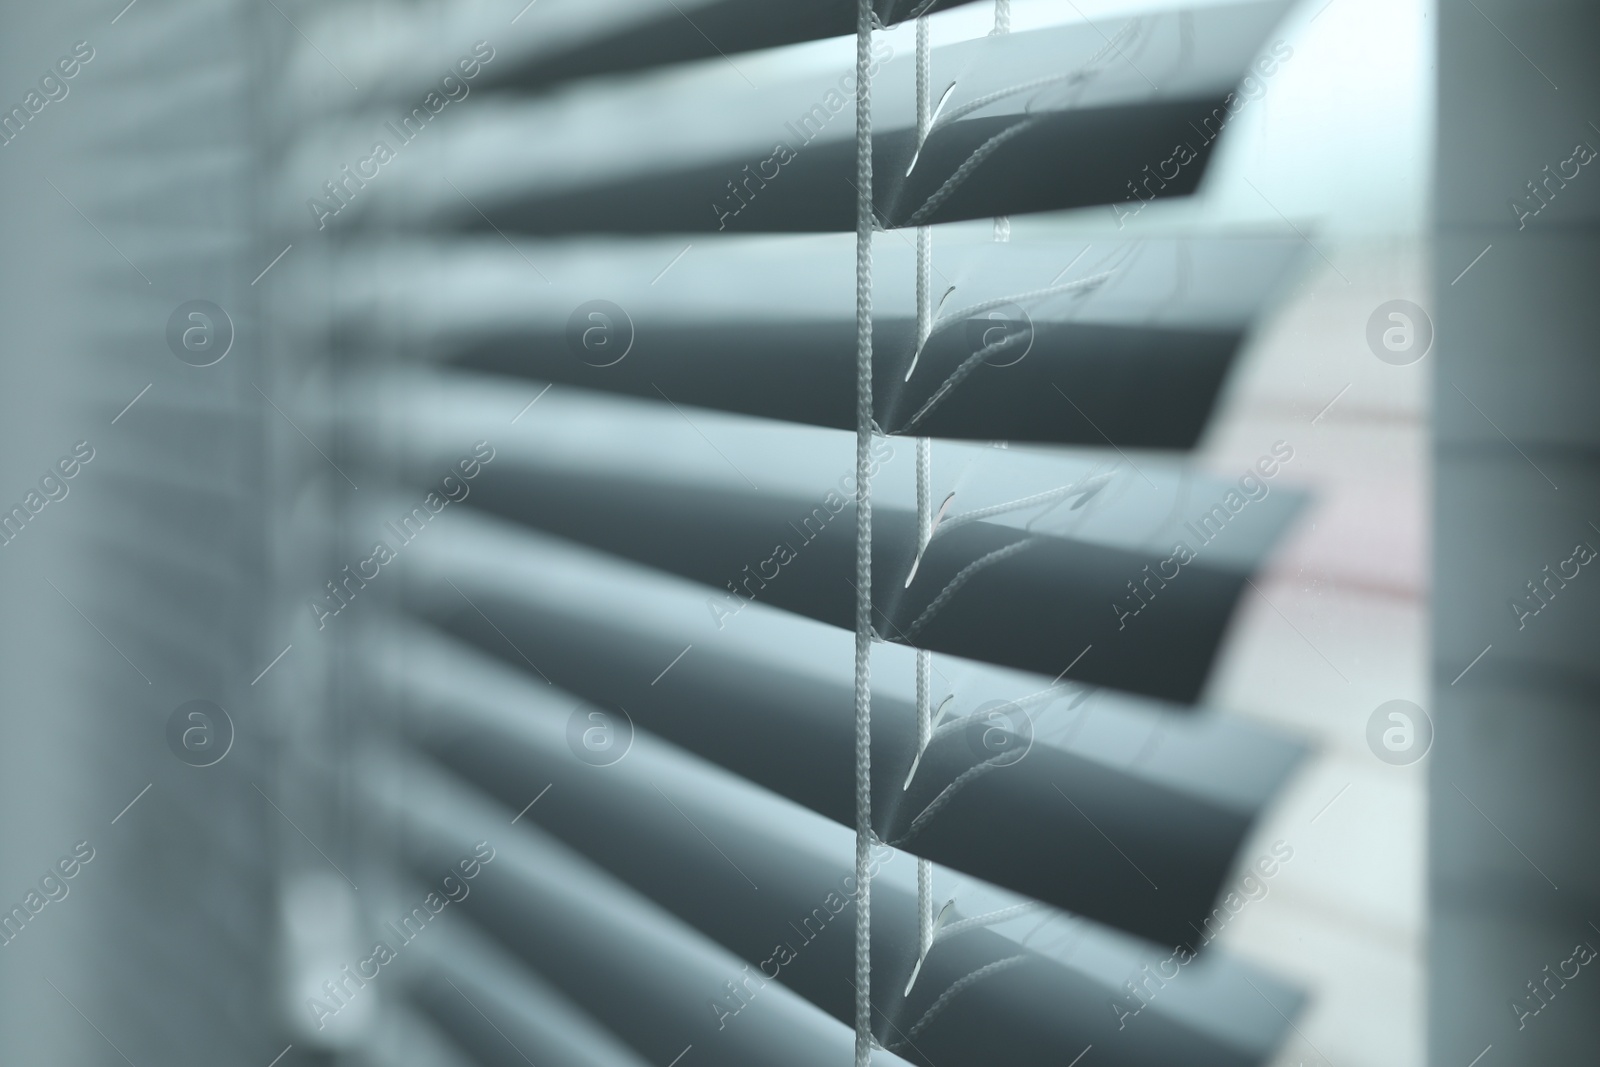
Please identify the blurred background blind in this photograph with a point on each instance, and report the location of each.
(521, 484)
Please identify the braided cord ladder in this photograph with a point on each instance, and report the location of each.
(864, 427)
(924, 470)
(1002, 25)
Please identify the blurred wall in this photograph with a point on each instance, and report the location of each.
(131, 577)
(1514, 794)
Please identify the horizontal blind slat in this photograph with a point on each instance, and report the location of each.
(696, 853)
(1045, 120)
(983, 590)
(630, 965)
(786, 725)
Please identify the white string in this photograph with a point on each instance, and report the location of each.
(1002, 25)
(865, 17)
(958, 987)
(962, 577)
(1086, 488)
(924, 732)
(1089, 69)
(972, 163)
(948, 793)
(924, 670)
(1010, 340)
(1053, 690)
(924, 93)
(989, 919)
(925, 917)
(924, 657)
(989, 147)
(1086, 284)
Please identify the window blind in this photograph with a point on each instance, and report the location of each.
(651, 558)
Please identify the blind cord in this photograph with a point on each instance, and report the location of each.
(1002, 25)
(925, 916)
(959, 986)
(963, 576)
(864, 427)
(989, 919)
